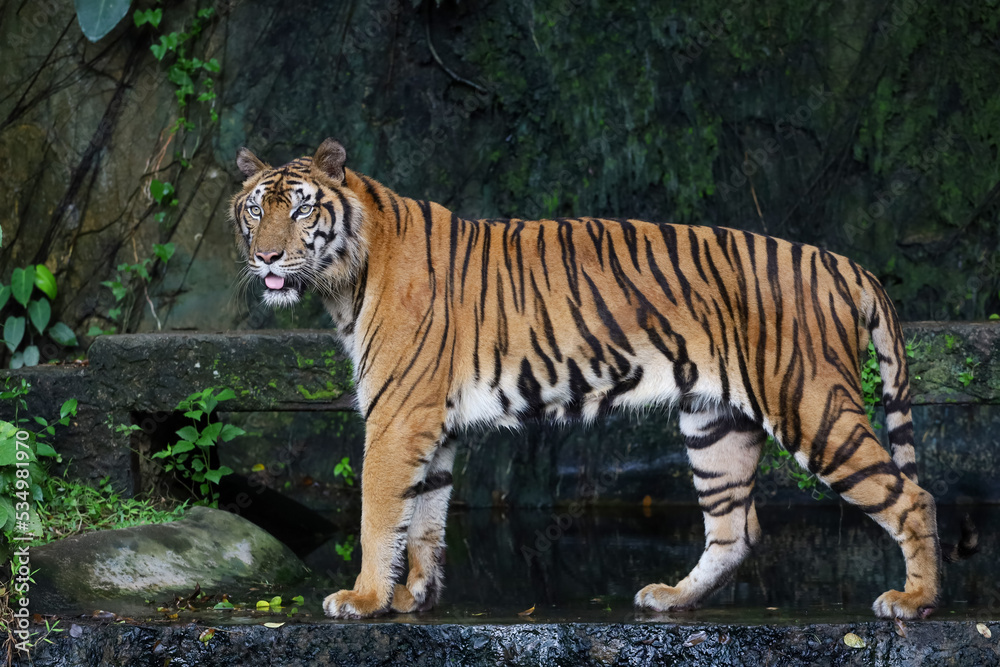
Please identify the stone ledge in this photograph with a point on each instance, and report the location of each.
(131, 376)
(927, 643)
(304, 370)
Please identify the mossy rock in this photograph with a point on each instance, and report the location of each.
(214, 549)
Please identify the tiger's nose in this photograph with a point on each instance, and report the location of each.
(269, 256)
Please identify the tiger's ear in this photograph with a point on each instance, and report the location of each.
(248, 163)
(329, 159)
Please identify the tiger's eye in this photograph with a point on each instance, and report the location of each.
(255, 211)
(304, 211)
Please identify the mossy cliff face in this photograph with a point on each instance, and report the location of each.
(869, 129)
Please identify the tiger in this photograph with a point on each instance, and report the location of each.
(454, 323)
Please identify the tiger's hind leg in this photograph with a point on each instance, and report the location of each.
(846, 455)
(724, 449)
(425, 543)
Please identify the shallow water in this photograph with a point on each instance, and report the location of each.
(813, 565)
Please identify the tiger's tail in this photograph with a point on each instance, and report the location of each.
(890, 349)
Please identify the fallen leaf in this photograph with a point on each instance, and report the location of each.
(900, 628)
(723, 638)
(225, 604)
(263, 604)
(771, 608)
(482, 613)
(273, 625)
(527, 612)
(75, 630)
(695, 639)
(298, 599)
(206, 636)
(257, 467)
(854, 641)
(275, 601)
(983, 630)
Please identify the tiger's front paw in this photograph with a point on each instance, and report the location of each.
(893, 604)
(349, 604)
(660, 597)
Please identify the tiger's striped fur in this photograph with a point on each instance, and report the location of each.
(453, 322)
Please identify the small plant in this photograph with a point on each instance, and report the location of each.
(29, 315)
(346, 550)
(190, 459)
(345, 470)
(185, 72)
(123, 288)
(968, 375)
(871, 384)
(23, 479)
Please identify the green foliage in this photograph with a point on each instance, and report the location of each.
(125, 289)
(346, 549)
(190, 459)
(29, 315)
(345, 470)
(871, 384)
(967, 375)
(99, 17)
(24, 480)
(71, 508)
(188, 74)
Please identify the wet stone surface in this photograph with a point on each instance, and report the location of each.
(809, 583)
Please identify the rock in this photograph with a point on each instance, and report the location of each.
(207, 547)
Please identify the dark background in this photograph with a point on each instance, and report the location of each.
(869, 128)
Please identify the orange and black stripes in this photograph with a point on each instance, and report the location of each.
(453, 322)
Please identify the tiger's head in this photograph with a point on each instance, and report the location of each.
(299, 225)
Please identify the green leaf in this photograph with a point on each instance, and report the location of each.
(44, 449)
(4, 295)
(150, 16)
(68, 408)
(225, 604)
(182, 446)
(45, 281)
(188, 433)
(63, 335)
(40, 313)
(225, 395)
(161, 190)
(210, 434)
(99, 17)
(164, 251)
(13, 332)
(17, 361)
(22, 282)
(31, 355)
(4, 504)
(229, 432)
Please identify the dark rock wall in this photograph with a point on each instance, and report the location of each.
(870, 129)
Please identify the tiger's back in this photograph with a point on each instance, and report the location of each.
(453, 322)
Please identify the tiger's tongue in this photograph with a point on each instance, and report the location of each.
(274, 282)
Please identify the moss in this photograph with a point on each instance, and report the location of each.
(330, 392)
